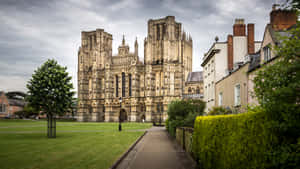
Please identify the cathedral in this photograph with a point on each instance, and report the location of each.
(123, 85)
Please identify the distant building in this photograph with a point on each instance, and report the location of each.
(194, 86)
(9, 106)
(146, 88)
(224, 57)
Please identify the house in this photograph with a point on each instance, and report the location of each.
(236, 90)
(224, 57)
(280, 22)
(9, 106)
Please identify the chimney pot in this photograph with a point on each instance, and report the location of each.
(239, 28)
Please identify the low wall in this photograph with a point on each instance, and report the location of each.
(184, 136)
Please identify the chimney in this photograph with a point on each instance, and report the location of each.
(229, 52)
(239, 28)
(250, 38)
(282, 19)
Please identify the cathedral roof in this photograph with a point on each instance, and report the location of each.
(195, 77)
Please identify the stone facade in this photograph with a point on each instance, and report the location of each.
(146, 88)
(194, 86)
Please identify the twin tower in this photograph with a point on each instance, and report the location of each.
(122, 86)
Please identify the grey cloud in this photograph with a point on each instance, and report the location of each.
(32, 31)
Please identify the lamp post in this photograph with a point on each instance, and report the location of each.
(120, 126)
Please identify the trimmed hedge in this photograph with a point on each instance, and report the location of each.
(232, 141)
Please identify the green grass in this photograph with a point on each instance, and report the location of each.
(78, 145)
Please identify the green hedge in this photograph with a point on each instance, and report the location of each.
(232, 141)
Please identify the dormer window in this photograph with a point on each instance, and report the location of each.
(267, 53)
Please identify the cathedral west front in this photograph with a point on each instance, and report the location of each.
(108, 85)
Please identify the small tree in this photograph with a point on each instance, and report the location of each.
(49, 91)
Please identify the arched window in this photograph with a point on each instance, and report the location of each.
(129, 79)
(198, 90)
(190, 90)
(123, 84)
(117, 86)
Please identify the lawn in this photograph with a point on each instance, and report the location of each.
(23, 144)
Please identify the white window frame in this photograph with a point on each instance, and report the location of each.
(267, 53)
(237, 95)
(3, 108)
(220, 99)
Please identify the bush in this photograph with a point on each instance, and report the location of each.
(232, 141)
(27, 112)
(183, 113)
(167, 124)
(219, 110)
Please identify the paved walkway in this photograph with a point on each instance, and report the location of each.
(157, 151)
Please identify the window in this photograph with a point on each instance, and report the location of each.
(237, 96)
(190, 90)
(2, 108)
(117, 86)
(198, 90)
(129, 77)
(90, 85)
(123, 84)
(220, 99)
(267, 53)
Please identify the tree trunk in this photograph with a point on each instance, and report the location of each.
(51, 126)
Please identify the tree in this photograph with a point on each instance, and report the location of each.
(277, 87)
(49, 91)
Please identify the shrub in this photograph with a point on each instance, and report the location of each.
(167, 124)
(232, 141)
(183, 113)
(219, 110)
(27, 112)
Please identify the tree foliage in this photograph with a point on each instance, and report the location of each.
(49, 89)
(277, 87)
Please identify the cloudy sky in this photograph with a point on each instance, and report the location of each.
(32, 31)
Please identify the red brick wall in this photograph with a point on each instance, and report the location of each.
(250, 38)
(4, 100)
(282, 19)
(230, 52)
(239, 30)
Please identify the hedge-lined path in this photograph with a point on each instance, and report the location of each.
(157, 150)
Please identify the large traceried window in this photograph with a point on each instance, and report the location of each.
(117, 86)
(123, 84)
(129, 78)
(237, 95)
